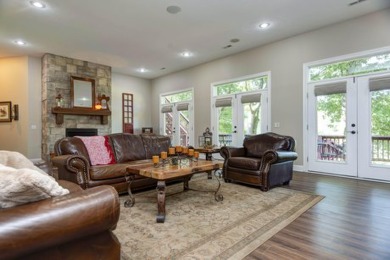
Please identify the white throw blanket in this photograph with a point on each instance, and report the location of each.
(22, 182)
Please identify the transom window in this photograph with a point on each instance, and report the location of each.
(352, 67)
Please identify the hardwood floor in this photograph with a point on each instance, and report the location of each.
(351, 222)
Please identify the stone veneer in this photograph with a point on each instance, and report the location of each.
(56, 72)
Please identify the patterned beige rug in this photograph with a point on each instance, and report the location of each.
(198, 227)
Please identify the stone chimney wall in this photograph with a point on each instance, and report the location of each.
(56, 73)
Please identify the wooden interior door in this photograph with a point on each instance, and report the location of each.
(127, 113)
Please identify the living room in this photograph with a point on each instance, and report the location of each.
(21, 80)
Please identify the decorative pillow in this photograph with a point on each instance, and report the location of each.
(17, 160)
(20, 186)
(99, 149)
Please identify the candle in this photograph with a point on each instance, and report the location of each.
(171, 150)
(191, 152)
(163, 155)
(155, 159)
(178, 149)
(196, 154)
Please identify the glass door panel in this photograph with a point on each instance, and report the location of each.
(374, 129)
(225, 125)
(332, 125)
(251, 115)
(331, 128)
(184, 125)
(168, 126)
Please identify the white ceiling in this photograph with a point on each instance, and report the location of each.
(130, 34)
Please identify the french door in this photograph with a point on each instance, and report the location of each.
(345, 136)
(177, 122)
(239, 115)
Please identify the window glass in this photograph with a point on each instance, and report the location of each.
(241, 86)
(176, 97)
(352, 67)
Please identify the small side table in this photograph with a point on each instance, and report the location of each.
(208, 151)
(209, 155)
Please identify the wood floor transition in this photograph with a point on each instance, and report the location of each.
(351, 222)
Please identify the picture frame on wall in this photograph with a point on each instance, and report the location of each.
(5, 111)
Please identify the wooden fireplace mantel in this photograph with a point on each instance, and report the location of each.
(60, 112)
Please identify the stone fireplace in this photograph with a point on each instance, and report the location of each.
(56, 73)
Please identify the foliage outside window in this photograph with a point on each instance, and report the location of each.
(352, 67)
(177, 97)
(251, 110)
(241, 86)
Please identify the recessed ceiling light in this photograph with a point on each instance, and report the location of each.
(142, 70)
(20, 42)
(234, 40)
(264, 25)
(173, 9)
(37, 4)
(186, 54)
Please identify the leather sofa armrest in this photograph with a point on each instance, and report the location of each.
(272, 156)
(286, 156)
(58, 220)
(229, 151)
(74, 168)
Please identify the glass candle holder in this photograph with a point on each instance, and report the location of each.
(156, 160)
(196, 155)
(171, 150)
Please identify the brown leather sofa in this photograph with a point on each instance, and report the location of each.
(73, 162)
(74, 226)
(265, 160)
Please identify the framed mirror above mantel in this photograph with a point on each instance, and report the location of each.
(82, 101)
(82, 92)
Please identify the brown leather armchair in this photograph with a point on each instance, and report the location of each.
(265, 160)
(74, 226)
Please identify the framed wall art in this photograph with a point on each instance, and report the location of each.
(5, 111)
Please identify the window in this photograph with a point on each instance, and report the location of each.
(356, 66)
(240, 109)
(176, 117)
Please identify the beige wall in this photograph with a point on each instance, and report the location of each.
(141, 90)
(285, 60)
(20, 84)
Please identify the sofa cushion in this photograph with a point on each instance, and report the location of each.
(155, 144)
(105, 172)
(99, 150)
(245, 163)
(20, 186)
(127, 147)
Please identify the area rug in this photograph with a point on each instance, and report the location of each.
(198, 227)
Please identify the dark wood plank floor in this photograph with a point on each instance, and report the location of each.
(351, 222)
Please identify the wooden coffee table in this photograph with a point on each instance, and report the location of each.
(168, 172)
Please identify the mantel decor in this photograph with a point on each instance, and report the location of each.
(60, 112)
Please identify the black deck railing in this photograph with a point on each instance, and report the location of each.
(333, 148)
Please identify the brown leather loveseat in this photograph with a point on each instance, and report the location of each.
(74, 164)
(77, 225)
(265, 160)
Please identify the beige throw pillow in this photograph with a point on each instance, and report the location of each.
(20, 186)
